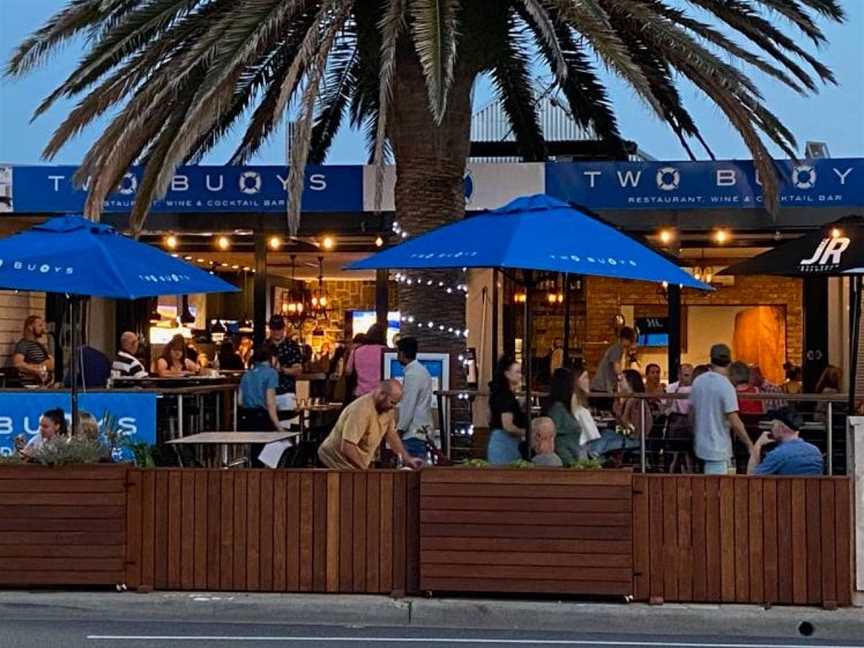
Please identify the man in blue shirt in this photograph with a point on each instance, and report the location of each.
(792, 456)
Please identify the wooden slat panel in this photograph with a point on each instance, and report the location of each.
(386, 556)
(268, 511)
(80, 564)
(27, 578)
(346, 534)
(713, 552)
(187, 538)
(412, 523)
(671, 558)
(537, 477)
(518, 490)
(64, 499)
(501, 518)
(373, 526)
(319, 550)
(727, 539)
(295, 518)
(279, 531)
(148, 526)
(110, 525)
(655, 499)
(742, 540)
(843, 540)
(132, 565)
(175, 527)
(784, 542)
(62, 473)
(226, 548)
(798, 540)
(62, 512)
(59, 486)
(241, 508)
(641, 544)
(202, 512)
(62, 551)
(771, 553)
(492, 531)
(525, 558)
(435, 584)
(61, 537)
(685, 547)
(698, 549)
(160, 551)
(333, 530)
(513, 572)
(306, 509)
(458, 543)
(814, 542)
(359, 526)
(827, 528)
(253, 531)
(755, 532)
(214, 529)
(524, 504)
(400, 544)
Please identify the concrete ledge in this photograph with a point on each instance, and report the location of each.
(361, 610)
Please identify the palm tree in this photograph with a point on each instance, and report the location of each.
(185, 72)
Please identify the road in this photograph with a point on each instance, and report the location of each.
(25, 633)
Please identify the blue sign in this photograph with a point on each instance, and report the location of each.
(259, 189)
(704, 185)
(20, 411)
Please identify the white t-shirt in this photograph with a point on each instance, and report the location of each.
(712, 399)
(34, 445)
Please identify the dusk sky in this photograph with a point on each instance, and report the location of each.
(835, 115)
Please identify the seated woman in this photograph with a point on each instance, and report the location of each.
(631, 415)
(173, 362)
(52, 428)
(229, 359)
(569, 443)
(258, 393)
(508, 420)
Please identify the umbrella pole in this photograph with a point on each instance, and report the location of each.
(565, 352)
(526, 354)
(73, 365)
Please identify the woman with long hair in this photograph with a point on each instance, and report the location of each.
(52, 428)
(364, 364)
(508, 421)
(173, 361)
(568, 408)
(829, 383)
(628, 410)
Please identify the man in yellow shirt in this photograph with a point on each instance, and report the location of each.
(355, 438)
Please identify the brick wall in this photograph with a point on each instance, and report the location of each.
(14, 309)
(605, 297)
(343, 296)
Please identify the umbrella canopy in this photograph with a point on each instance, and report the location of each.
(533, 233)
(833, 251)
(76, 256)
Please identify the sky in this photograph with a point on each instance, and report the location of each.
(835, 115)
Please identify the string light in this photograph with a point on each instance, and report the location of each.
(223, 242)
(328, 243)
(171, 242)
(275, 242)
(667, 236)
(379, 242)
(836, 232)
(721, 236)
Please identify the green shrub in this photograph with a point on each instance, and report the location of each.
(77, 450)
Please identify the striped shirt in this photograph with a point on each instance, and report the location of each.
(127, 366)
(34, 352)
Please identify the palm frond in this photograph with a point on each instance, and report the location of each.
(543, 26)
(435, 39)
(339, 86)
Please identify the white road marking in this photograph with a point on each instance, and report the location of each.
(461, 640)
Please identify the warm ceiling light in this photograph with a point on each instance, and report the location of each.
(187, 258)
(275, 242)
(200, 260)
(836, 232)
(666, 236)
(235, 267)
(171, 242)
(329, 243)
(379, 242)
(721, 236)
(223, 242)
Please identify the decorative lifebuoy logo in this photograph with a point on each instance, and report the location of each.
(128, 184)
(668, 178)
(250, 182)
(469, 188)
(804, 176)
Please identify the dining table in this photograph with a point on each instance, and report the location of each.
(224, 440)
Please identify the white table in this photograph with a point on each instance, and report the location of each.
(225, 439)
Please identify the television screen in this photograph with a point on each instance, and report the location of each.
(362, 320)
(652, 331)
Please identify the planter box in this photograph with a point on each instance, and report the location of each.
(526, 530)
(62, 525)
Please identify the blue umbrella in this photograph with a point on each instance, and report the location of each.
(533, 233)
(76, 256)
(80, 258)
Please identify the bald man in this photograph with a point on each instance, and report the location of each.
(355, 438)
(126, 365)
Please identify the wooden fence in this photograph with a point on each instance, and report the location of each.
(62, 526)
(273, 531)
(541, 531)
(743, 539)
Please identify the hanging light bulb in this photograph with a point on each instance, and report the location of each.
(171, 242)
(274, 242)
(223, 243)
(379, 242)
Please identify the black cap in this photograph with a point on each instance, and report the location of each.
(277, 322)
(788, 416)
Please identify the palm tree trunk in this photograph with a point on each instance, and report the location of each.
(430, 191)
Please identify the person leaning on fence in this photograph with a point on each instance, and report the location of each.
(354, 440)
(792, 456)
(713, 412)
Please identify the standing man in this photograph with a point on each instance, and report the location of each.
(792, 456)
(556, 358)
(415, 411)
(126, 364)
(714, 411)
(610, 371)
(289, 358)
(361, 427)
(31, 357)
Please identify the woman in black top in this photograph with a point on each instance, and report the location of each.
(508, 420)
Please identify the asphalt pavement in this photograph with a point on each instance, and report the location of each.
(174, 620)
